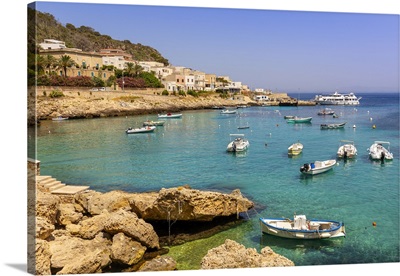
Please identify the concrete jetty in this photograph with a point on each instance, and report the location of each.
(54, 186)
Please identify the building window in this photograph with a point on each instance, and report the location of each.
(92, 74)
(104, 75)
(79, 73)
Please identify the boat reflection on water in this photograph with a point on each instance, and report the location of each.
(326, 245)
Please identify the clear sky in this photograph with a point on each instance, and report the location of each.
(290, 51)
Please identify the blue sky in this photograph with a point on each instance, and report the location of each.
(287, 51)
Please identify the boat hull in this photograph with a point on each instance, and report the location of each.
(295, 149)
(318, 229)
(347, 151)
(379, 152)
(153, 123)
(333, 126)
(170, 116)
(320, 167)
(299, 120)
(140, 130)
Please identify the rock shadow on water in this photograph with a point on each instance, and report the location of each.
(179, 232)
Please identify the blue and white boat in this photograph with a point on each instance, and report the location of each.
(302, 228)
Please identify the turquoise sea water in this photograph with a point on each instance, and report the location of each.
(191, 150)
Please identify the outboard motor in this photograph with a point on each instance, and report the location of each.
(305, 168)
(345, 155)
(382, 156)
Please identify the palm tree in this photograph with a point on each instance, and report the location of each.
(64, 62)
(129, 68)
(137, 69)
(50, 62)
(40, 64)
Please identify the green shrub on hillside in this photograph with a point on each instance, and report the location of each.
(56, 94)
(193, 93)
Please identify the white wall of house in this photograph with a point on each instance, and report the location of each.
(117, 61)
(52, 44)
(261, 98)
(199, 80)
(151, 63)
(170, 86)
(189, 82)
(162, 72)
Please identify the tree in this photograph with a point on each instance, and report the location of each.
(137, 69)
(129, 68)
(40, 65)
(50, 62)
(64, 62)
(112, 81)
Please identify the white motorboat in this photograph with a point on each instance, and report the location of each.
(317, 167)
(238, 144)
(295, 149)
(227, 111)
(378, 152)
(337, 99)
(60, 118)
(153, 123)
(170, 115)
(297, 120)
(302, 228)
(333, 126)
(326, 111)
(140, 129)
(347, 149)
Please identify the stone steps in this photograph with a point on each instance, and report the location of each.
(52, 185)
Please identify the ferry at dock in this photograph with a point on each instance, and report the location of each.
(337, 99)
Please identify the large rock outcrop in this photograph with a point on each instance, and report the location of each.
(234, 255)
(181, 203)
(95, 232)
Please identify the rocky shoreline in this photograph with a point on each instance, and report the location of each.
(93, 232)
(78, 103)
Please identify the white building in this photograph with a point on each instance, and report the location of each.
(199, 80)
(189, 82)
(117, 61)
(49, 44)
(261, 98)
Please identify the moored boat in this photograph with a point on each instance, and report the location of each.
(60, 118)
(238, 144)
(302, 228)
(170, 115)
(347, 149)
(295, 149)
(153, 123)
(288, 117)
(317, 167)
(326, 111)
(140, 130)
(296, 120)
(227, 111)
(333, 126)
(377, 151)
(337, 99)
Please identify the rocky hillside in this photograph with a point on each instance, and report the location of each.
(44, 26)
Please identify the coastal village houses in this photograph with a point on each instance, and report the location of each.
(174, 78)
